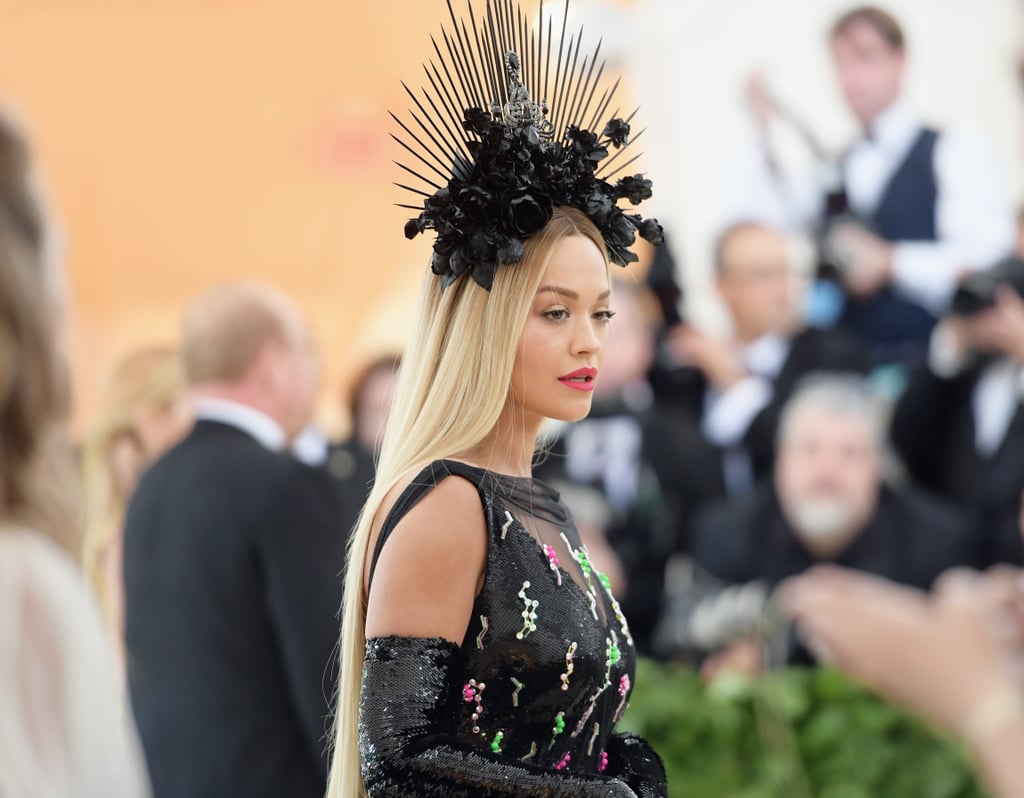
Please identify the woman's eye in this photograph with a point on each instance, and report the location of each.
(559, 314)
(604, 315)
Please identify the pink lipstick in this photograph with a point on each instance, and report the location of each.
(581, 380)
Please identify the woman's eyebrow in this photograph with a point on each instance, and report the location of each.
(568, 293)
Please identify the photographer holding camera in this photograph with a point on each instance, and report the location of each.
(901, 215)
(959, 428)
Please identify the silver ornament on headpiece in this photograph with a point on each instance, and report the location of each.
(521, 111)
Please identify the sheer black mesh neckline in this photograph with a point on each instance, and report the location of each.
(533, 503)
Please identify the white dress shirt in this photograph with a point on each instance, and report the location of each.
(974, 214)
(728, 415)
(267, 432)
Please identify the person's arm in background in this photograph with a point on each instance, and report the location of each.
(951, 658)
(755, 185)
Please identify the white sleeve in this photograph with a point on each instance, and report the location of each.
(750, 190)
(728, 416)
(974, 221)
(65, 729)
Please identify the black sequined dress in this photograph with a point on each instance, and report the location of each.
(527, 705)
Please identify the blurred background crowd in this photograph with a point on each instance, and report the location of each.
(823, 365)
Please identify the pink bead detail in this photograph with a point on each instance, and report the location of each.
(563, 762)
(624, 685)
(468, 693)
(553, 562)
(603, 764)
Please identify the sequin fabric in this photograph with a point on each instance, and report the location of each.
(527, 705)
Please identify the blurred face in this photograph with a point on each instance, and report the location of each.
(296, 376)
(827, 476)
(374, 401)
(630, 348)
(560, 352)
(869, 70)
(755, 282)
(159, 428)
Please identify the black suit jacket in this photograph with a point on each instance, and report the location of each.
(232, 564)
(933, 433)
(689, 466)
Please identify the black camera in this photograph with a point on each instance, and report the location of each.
(978, 291)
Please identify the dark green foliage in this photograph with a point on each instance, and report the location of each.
(799, 733)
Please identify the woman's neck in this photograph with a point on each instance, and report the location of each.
(509, 447)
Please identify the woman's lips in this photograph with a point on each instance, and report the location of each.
(580, 380)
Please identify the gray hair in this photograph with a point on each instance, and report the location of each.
(846, 395)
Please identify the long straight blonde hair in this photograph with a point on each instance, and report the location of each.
(452, 386)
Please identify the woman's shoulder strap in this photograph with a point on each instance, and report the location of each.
(424, 482)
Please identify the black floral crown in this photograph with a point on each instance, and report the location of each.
(501, 161)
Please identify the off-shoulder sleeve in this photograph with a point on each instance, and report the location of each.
(406, 743)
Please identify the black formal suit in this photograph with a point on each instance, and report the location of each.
(690, 468)
(933, 431)
(232, 565)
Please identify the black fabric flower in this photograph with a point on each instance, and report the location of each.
(636, 189)
(617, 132)
(651, 231)
(586, 145)
(509, 188)
(476, 120)
(525, 211)
(414, 227)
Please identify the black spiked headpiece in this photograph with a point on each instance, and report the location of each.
(499, 159)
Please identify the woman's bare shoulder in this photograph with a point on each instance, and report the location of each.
(432, 563)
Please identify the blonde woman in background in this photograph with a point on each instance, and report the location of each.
(63, 728)
(145, 410)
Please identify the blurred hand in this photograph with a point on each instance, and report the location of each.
(998, 595)
(955, 337)
(938, 657)
(743, 656)
(716, 359)
(868, 259)
(1001, 327)
(760, 102)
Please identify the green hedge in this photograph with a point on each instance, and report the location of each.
(799, 733)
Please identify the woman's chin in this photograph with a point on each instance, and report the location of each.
(572, 411)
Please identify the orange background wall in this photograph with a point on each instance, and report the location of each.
(186, 142)
(190, 142)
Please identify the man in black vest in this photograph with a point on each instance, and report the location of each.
(923, 206)
(232, 559)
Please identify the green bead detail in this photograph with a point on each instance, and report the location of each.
(606, 582)
(496, 742)
(559, 724)
(614, 654)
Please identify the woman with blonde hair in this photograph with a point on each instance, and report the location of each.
(482, 652)
(144, 411)
(63, 729)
